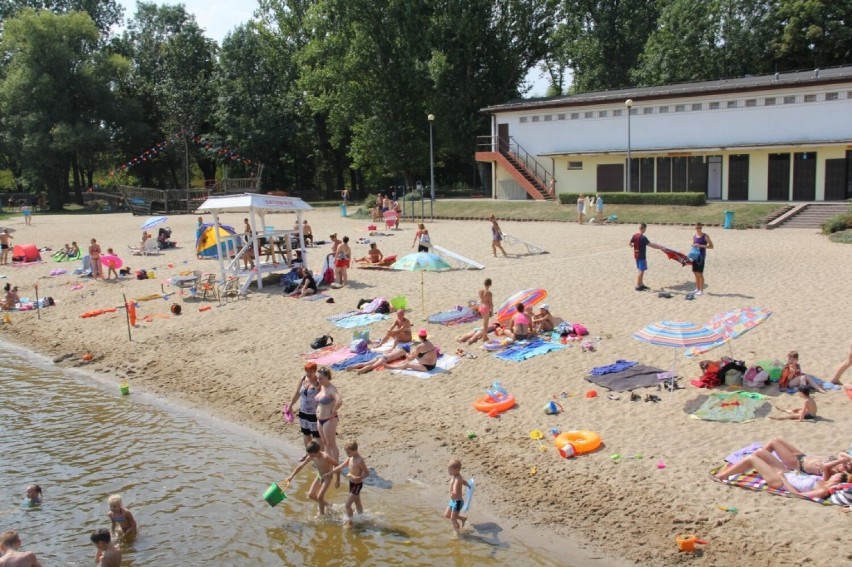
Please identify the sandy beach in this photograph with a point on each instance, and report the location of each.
(240, 362)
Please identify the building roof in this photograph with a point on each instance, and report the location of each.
(702, 88)
(252, 202)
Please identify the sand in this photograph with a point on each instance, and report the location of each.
(239, 361)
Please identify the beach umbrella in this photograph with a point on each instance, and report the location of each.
(677, 335)
(421, 262)
(152, 222)
(111, 261)
(731, 325)
(529, 297)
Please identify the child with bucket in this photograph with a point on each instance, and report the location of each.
(324, 464)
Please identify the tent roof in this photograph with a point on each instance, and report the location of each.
(252, 201)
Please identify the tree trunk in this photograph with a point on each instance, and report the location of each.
(75, 168)
(208, 169)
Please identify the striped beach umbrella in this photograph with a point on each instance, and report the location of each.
(152, 222)
(731, 325)
(529, 297)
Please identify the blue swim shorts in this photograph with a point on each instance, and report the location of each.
(642, 265)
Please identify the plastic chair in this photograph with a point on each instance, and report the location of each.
(208, 287)
(230, 288)
(391, 219)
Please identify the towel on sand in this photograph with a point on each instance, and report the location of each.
(736, 407)
(753, 481)
(361, 320)
(636, 376)
(329, 355)
(617, 366)
(521, 352)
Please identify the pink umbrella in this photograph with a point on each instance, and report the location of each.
(111, 261)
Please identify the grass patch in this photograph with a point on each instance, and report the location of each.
(842, 236)
(746, 214)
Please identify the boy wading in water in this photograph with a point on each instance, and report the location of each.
(324, 464)
(457, 483)
(358, 471)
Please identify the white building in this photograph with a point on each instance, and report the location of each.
(779, 137)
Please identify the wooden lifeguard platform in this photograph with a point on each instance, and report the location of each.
(146, 201)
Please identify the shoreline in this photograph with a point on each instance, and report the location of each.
(239, 362)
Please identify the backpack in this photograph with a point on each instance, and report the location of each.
(142, 275)
(328, 276)
(580, 330)
(358, 346)
(322, 342)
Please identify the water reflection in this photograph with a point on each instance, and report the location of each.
(194, 485)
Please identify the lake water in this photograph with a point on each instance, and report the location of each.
(195, 486)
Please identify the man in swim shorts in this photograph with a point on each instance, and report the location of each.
(5, 245)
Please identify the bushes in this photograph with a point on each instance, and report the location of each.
(837, 224)
(689, 199)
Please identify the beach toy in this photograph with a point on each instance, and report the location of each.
(661, 465)
(554, 431)
(538, 436)
(592, 394)
(205, 308)
(471, 435)
(497, 392)
(615, 457)
(274, 495)
(88, 357)
(730, 509)
(7, 319)
(487, 404)
(567, 451)
(552, 408)
(468, 497)
(288, 413)
(581, 441)
(124, 388)
(687, 542)
(848, 390)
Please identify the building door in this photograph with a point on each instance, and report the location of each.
(610, 177)
(714, 177)
(804, 176)
(835, 179)
(503, 138)
(779, 177)
(738, 177)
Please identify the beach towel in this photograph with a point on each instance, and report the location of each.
(753, 481)
(459, 314)
(315, 297)
(617, 366)
(360, 320)
(738, 456)
(329, 355)
(444, 365)
(344, 315)
(734, 407)
(355, 359)
(634, 377)
(521, 352)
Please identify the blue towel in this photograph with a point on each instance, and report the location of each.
(360, 320)
(618, 366)
(535, 347)
(357, 359)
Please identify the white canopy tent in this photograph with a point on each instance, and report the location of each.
(256, 206)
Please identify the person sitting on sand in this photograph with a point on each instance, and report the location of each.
(12, 299)
(397, 353)
(307, 287)
(520, 324)
(423, 357)
(795, 460)
(777, 475)
(807, 411)
(374, 255)
(400, 330)
(793, 377)
(543, 321)
(74, 252)
(477, 335)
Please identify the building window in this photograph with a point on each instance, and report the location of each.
(648, 110)
(831, 96)
(697, 106)
(575, 116)
(751, 102)
(617, 112)
(603, 114)
(548, 118)
(575, 165)
(713, 106)
(536, 118)
(588, 114)
(769, 101)
(810, 98)
(680, 108)
(790, 99)
(524, 120)
(664, 109)
(733, 104)
(635, 111)
(560, 117)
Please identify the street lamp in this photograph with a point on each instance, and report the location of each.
(431, 119)
(629, 104)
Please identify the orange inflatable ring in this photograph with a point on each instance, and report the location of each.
(487, 404)
(583, 441)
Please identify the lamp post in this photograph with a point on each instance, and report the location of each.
(431, 119)
(629, 104)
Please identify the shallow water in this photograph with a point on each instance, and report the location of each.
(195, 486)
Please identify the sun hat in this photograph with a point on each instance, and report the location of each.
(422, 333)
(545, 307)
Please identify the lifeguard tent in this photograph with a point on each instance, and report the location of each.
(267, 242)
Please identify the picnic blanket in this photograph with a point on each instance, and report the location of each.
(344, 315)
(734, 407)
(315, 297)
(444, 365)
(359, 320)
(454, 316)
(753, 481)
(636, 376)
(329, 355)
(354, 359)
(616, 366)
(521, 352)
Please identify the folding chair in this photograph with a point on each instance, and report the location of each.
(207, 286)
(230, 288)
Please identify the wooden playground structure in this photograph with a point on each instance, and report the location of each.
(146, 201)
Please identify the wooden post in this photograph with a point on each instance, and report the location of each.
(38, 306)
(127, 316)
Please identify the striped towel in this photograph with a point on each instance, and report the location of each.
(753, 481)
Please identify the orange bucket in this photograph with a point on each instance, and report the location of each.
(687, 542)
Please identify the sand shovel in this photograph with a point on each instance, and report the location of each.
(538, 436)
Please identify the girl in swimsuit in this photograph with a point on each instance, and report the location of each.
(792, 459)
(496, 237)
(121, 516)
(328, 402)
(424, 357)
(520, 324)
(777, 475)
(486, 308)
(305, 394)
(703, 242)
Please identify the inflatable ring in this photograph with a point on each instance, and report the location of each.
(583, 441)
(487, 404)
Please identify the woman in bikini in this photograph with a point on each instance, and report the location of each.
(792, 459)
(520, 324)
(496, 237)
(422, 238)
(328, 402)
(397, 353)
(423, 357)
(477, 334)
(486, 308)
(305, 394)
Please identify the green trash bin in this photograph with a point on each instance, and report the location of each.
(729, 219)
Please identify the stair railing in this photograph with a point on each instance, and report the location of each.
(510, 148)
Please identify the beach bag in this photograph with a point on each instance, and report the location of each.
(694, 253)
(384, 308)
(322, 342)
(358, 346)
(580, 330)
(328, 276)
(755, 377)
(142, 275)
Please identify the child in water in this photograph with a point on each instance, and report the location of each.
(121, 516)
(33, 495)
(324, 464)
(453, 512)
(109, 554)
(358, 471)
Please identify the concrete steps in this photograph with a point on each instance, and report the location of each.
(812, 215)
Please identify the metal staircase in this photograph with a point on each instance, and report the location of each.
(520, 164)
